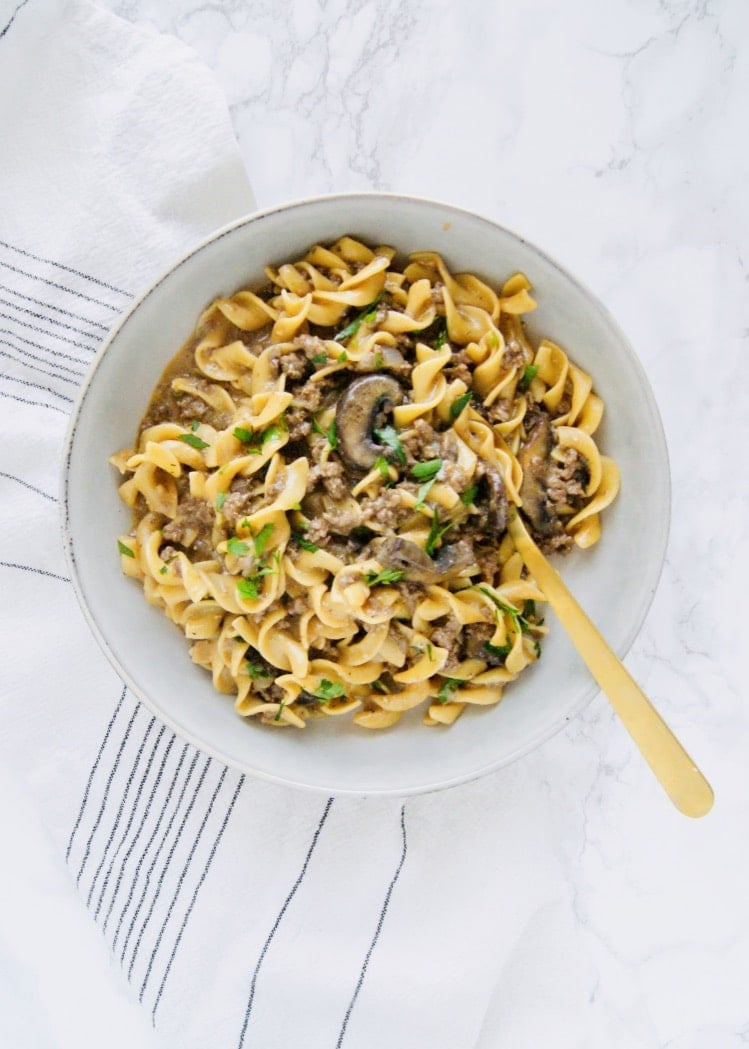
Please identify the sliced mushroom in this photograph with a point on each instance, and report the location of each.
(363, 408)
(407, 556)
(497, 498)
(534, 458)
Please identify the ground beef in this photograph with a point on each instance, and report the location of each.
(332, 477)
(473, 642)
(500, 411)
(293, 365)
(192, 527)
(514, 355)
(422, 442)
(446, 635)
(385, 511)
(307, 400)
(311, 345)
(460, 366)
(339, 521)
(566, 480)
(241, 500)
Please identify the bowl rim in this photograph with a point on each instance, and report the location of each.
(587, 694)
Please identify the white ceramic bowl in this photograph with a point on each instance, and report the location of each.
(614, 581)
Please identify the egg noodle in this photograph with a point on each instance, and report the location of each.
(320, 486)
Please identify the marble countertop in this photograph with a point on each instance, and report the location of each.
(613, 135)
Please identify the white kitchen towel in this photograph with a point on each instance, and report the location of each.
(239, 913)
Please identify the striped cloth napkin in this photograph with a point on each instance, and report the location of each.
(240, 913)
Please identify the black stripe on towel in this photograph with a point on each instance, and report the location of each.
(165, 868)
(35, 367)
(378, 930)
(130, 819)
(46, 349)
(35, 570)
(112, 771)
(61, 287)
(61, 265)
(50, 334)
(149, 843)
(94, 767)
(189, 910)
(136, 838)
(51, 320)
(31, 487)
(12, 18)
(120, 808)
(180, 882)
(36, 386)
(77, 373)
(278, 921)
(51, 306)
(35, 404)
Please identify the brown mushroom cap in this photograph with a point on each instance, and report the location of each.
(418, 566)
(362, 408)
(534, 460)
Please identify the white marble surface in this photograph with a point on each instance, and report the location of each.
(614, 135)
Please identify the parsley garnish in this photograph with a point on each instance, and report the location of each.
(320, 358)
(519, 620)
(459, 404)
(441, 339)
(243, 435)
(332, 435)
(193, 440)
(422, 493)
(501, 651)
(237, 547)
(436, 531)
(164, 569)
(383, 578)
(378, 361)
(124, 549)
(380, 686)
(306, 544)
(271, 434)
(256, 670)
(423, 471)
(261, 539)
(328, 690)
(281, 705)
(529, 374)
(220, 500)
(469, 495)
(247, 588)
(368, 314)
(388, 435)
(381, 464)
(448, 687)
(194, 426)
(342, 357)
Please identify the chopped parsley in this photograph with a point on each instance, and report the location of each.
(125, 549)
(388, 436)
(220, 500)
(256, 670)
(248, 589)
(500, 651)
(193, 440)
(423, 471)
(342, 357)
(459, 404)
(271, 434)
(237, 547)
(328, 690)
(436, 531)
(195, 426)
(469, 495)
(332, 435)
(306, 544)
(378, 361)
(368, 314)
(244, 435)
(260, 541)
(520, 622)
(422, 493)
(529, 374)
(380, 686)
(281, 705)
(164, 569)
(430, 652)
(441, 339)
(449, 685)
(385, 577)
(320, 358)
(382, 465)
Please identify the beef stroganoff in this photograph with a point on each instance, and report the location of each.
(321, 482)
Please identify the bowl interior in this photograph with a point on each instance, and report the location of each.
(614, 581)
